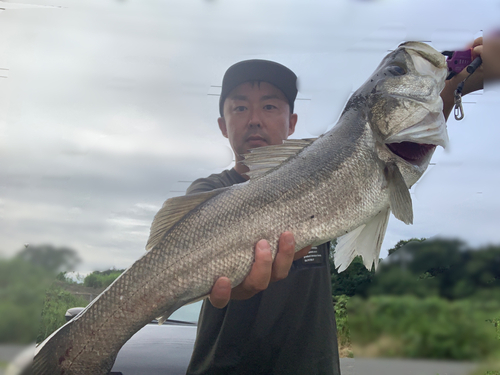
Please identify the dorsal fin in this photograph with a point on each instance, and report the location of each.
(173, 210)
(262, 160)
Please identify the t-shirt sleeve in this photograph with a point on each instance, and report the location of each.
(215, 181)
(202, 185)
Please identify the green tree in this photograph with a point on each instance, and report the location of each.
(51, 258)
(402, 243)
(444, 267)
(24, 280)
(355, 280)
(22, 290)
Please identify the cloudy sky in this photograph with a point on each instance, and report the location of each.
(109, 107)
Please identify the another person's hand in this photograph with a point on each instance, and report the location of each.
(490, 53)
(263, 271)
(488, 71)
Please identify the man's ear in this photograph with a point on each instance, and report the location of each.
(222, 126)
(293, 122)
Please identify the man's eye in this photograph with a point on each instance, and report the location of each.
(240, 108)
(269, 107)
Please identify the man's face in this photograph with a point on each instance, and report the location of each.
(256, 114)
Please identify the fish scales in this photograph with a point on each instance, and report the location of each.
(345, 183)
(186, 272)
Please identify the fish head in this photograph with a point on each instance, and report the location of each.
(406, 109)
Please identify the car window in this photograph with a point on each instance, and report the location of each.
(188, 313)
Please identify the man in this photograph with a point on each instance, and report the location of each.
(280, 320)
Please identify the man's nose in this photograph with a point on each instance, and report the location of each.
(254, 121)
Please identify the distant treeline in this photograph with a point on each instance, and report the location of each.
(446, 268)
(101, 279)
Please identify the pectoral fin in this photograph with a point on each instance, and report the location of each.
(399, 195)
(365, 240)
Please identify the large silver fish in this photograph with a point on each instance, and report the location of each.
(343, 184)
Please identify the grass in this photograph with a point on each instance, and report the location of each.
(343, 333)
(57, 301)
(412, 327)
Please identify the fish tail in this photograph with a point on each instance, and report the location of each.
(50, 355)
(60, 355)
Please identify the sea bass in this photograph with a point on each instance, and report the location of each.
(343, 184)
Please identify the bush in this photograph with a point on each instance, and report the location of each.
(99, 279)
(22, 290)
(24, 279)
(343, 334)
(425, 328)
(57, 301)
(17, 324)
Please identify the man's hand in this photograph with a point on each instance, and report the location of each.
(263, 271)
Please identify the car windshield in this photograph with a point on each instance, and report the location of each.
(188, 313)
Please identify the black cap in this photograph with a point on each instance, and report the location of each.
(259, 70)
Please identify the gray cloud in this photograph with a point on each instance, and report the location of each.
(105, 112)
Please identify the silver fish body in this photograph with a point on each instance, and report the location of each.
(344, 184)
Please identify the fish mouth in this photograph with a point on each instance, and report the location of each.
(414, 153)
(417, 143)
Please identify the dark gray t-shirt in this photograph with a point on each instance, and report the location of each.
(289, 328)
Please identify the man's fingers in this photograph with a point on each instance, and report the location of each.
(221, 293)
(284, 257)
(260, 275)
(263, 271)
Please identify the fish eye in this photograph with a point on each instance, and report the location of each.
(397, 70)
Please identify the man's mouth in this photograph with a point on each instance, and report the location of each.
(256, 141)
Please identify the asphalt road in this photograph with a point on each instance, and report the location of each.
(383, 366)
(8, 353)
(350, 366)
